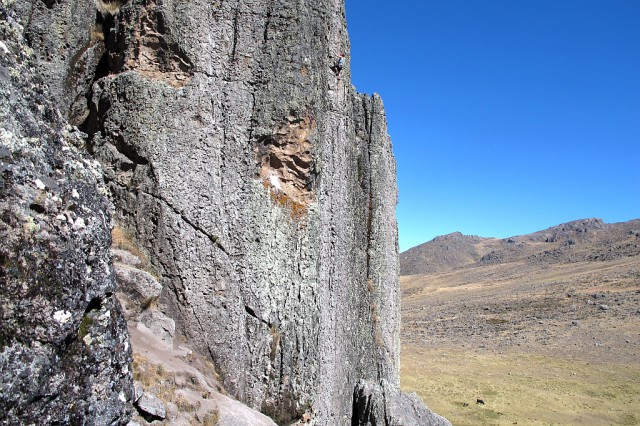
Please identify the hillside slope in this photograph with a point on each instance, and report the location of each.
(544, 328)
(441, 254)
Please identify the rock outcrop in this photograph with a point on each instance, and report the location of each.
(443, 253)
(64, 347)
(259, 184)
(383, 404)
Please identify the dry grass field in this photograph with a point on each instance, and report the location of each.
(522, 388)
(541, 343)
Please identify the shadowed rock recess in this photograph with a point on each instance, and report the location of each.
(260, 186)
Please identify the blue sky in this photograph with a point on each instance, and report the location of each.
(507, 116)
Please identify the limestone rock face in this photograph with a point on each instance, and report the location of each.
(64, 351)
(260, 185)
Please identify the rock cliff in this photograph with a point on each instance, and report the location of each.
(259, 184)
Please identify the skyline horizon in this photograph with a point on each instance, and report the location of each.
(522, 233)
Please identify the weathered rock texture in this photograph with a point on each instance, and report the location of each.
(180, 385)
(383, 404)
(261, 186)
(64, 351)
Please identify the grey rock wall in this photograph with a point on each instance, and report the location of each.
(64, 347)
(67, 37)
(293, 292)
(261, 186)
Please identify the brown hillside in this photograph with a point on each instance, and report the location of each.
(443, 253)
(580, 240)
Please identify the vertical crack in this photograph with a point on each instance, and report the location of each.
(265, 35)
(91, 125)
(235, 35)
(369, 125)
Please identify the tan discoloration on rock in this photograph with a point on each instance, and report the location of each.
(151, 54)
(286, 162)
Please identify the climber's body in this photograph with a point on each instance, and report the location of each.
(339, 65)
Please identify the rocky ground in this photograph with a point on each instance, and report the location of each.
(173, 384)
(586, 310)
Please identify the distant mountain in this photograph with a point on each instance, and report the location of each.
(580, 240)
(443, 253)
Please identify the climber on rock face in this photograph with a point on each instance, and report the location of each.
(339, 65)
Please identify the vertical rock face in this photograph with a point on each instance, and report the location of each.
(64, 351)
(263, 189)
(260, 184)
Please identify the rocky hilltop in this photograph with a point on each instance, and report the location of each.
(577, 241)
(443, 253)
(259, 187)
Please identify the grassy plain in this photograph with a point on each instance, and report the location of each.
(521, 388)
(540, 344)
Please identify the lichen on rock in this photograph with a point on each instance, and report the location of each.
(64, 354)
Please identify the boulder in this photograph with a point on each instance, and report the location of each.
(151, 407)
(159, 324)
(140, 286)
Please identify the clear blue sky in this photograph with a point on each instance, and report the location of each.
(507, 116)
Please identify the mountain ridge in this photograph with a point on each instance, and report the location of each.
(567, 242)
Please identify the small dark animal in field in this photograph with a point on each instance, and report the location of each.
(479, 401)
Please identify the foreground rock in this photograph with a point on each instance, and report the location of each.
(151, 407)
(384, 404)
(64, 350)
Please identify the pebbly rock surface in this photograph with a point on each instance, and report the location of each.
(259, 184)
(64, 347)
